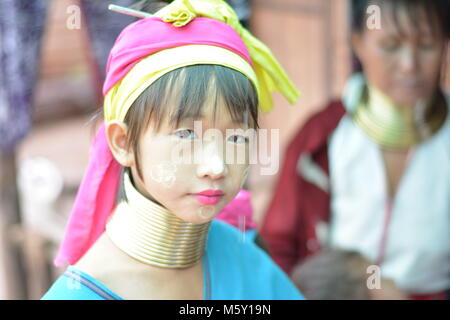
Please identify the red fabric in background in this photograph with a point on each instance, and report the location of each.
(297, 205)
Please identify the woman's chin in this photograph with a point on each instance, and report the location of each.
(408, 97)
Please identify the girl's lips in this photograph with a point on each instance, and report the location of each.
(211, 193)
(208, 199)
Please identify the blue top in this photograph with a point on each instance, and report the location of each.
(234, 268)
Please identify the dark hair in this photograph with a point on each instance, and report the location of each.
(182, 93)
(437, 13)
(439, 8)
(150, 6)
(333, 274)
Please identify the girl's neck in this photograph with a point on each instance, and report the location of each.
(153, 235)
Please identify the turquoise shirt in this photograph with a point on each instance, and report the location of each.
(234, 268)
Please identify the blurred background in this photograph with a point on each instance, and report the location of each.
(44, 162)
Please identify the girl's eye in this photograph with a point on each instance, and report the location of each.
(185, 134)
(238, 139)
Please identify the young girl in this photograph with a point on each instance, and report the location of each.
(191, 61)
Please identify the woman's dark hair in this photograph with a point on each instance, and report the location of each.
(437, 13)
(182, 93)
(439, 9)
(150, 6)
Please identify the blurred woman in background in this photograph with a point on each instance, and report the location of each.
(371, 173)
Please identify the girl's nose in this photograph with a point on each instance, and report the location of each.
(212, 162)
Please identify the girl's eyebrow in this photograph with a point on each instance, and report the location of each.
(189, 119)
(201, 117)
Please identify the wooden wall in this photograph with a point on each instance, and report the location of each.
(65, 86)
(310, 39)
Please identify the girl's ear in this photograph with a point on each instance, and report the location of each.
(116, 135)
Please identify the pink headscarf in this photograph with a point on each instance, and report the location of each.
(150, 35)
(96, 195)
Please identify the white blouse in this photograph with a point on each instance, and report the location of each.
(417, 252)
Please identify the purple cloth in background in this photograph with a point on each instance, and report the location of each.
(22, 24)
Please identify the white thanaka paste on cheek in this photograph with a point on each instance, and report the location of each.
(164, 173)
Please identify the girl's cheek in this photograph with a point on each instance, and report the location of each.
(164, 174)
(238, 177)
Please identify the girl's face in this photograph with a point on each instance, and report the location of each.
(404, 65)
(175, 182)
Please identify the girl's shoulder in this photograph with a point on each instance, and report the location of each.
(85, 279)
(75, 284)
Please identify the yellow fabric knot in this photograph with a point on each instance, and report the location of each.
(179, 14)
(270, 74)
